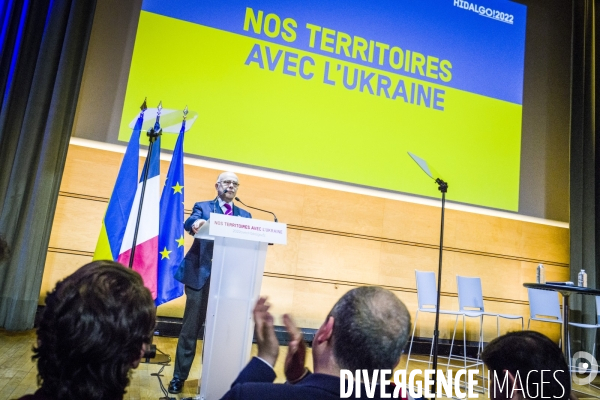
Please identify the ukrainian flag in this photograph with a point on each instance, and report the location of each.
(119, 207)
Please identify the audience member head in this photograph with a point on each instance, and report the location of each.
(93, 331)
(522, 356)
(366, 329)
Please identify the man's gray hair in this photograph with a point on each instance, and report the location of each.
(226, 172)
(370, 330)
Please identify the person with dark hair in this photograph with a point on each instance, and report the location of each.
(92, 332)
(526, 364)
(366, 329)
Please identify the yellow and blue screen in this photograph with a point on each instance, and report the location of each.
(342, 90)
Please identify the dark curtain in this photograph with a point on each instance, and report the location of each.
(585, 167)
(43, 44)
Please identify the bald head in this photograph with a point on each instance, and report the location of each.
(370, 329)
(227, 186)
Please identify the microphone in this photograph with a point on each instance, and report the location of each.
(274, 216)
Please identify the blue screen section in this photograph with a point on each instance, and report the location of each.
(487, 54)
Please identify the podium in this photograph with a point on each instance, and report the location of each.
(237, 267)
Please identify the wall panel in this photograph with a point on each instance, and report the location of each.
(336, 241)
(58, 266)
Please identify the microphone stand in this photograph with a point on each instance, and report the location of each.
(259, 209)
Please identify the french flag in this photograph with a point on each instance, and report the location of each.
(145, 257)
(121, 200)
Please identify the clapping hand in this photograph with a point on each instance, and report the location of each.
(294, 362)
(268, 345)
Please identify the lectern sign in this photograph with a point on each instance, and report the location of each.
(238, 265)
(248, 229)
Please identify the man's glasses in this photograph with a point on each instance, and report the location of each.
(229, 183)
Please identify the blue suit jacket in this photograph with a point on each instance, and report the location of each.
(195, 268)
(255, 382)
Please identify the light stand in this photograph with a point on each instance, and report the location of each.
(442, 187)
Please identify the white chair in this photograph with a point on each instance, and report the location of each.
(586, 326)
(544, 306)
(427, 300)
(470, 304)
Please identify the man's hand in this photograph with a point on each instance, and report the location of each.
(294, 362)
(197, 224)
(268, 345)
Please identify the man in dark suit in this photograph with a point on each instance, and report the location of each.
(194, 273)
(366, 329)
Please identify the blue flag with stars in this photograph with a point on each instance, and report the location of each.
(170, 237)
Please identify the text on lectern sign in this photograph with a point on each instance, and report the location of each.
(249, 229)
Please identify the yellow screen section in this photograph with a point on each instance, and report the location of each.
(287, 122)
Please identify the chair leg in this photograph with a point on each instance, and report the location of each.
(529, 323)
(412, 339)
(479, 361)
(497, 326)
(465, 342)
(480, 344)
(594, 366)
(452, 343)
(568, 352)
(480, 338)
(431, 354)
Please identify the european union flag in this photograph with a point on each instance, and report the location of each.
(170, 238)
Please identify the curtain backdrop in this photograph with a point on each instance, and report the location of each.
(43, 44)
(585, 166)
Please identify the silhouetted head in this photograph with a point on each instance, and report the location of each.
(92, 332)
(366, 329)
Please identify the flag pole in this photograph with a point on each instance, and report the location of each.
(153, 134)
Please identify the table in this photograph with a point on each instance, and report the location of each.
(566, 291)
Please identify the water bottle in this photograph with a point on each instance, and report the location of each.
(582, 278)
(541, 275)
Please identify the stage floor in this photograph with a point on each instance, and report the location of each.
(18, 374)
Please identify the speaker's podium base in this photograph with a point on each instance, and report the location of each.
(238, 264)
